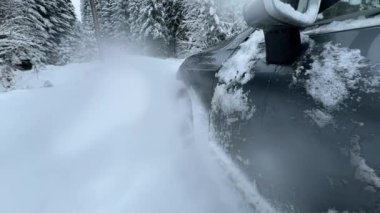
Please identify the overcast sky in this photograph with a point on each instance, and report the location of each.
(77, 8)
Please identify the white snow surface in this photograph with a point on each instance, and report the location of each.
(229, 97)
(106, 137)
(333, 74)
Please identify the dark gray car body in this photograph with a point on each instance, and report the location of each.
(296, 164)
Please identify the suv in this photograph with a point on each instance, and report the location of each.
(295, 101)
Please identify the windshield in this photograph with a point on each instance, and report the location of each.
(345, 7)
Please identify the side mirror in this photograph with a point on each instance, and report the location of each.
(281, 21)
(298, 13)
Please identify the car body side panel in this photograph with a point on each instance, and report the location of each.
(295, 161)
(307, 167)
(297, 164)
(303, 165)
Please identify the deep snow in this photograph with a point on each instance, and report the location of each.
(108, 137)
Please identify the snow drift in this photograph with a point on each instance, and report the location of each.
(108, 137)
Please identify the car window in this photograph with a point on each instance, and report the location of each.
(345, 7)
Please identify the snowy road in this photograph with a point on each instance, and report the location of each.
(106, 138)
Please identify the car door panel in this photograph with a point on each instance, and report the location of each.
(299, 164)
(302, 164)
(295, 161)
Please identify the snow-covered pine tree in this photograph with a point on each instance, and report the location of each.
(106, 9)
(19, 41)
(25, 34)
(150, 28)
(134, 13)
(5, 10)
(174, 17)
(47, 22)
(105, 19)
(6, 73)
(231, 16)
(120, 26)
(88, 28)
(113, 21)
(203, 24)
(166, 27)
(72, 47)
(33, 33)
(63, 29)
(114, 16)
(87, 19)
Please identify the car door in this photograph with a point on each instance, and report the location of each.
(313, 142)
